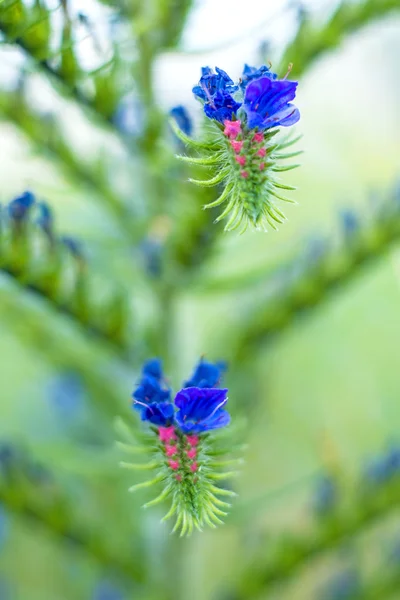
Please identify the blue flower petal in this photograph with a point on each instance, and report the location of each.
(251, 73)
(19, 208)
(215, 90)
(267, 103)
(153, 368)
(201, 409)
(206, 374)
(182, 118)
(149, 390)
(161, 413)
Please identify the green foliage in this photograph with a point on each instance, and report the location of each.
(312, 41)
(359, 508)
(324, 267)
(42, 263)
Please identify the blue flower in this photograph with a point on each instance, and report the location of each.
(150, 390)
(199, 403)
(201, 409)
(210, 83)
(267, 103)
(182, 118)
(18, 209)
(67, 395)
(153, 368)
(152, 250)
(7, 458)
(325, 496)
(215, 90)
(380, 469)
(106, 590)
(222, 107)
(250, 73)
(4, 522)
(45, 219)
(73, 245)
(392, 460)
(343, 586)
(151, 399)
(161, 413)
(206, 374)
(350, 222)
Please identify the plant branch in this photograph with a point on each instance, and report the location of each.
(311, 278)
(313, 41)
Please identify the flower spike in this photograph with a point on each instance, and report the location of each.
(181, 446)
(240, 151)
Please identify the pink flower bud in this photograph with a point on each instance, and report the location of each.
(193, 467)
(191, 453)
(244, 174)
(174, 464)
(166, 434)
(192, 440)
(258, 137)
(241, 160)
(237, 146)
(261, 152)
(171, 450)
(232, 129)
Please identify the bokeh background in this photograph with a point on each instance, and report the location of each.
(307, 317)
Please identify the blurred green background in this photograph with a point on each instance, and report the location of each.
(320, 394)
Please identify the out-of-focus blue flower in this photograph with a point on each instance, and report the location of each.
(382, 468)
(7, 458)
(45, 219)
(129, 115)
(201, 409)
(251, 73)
(325, 495)
(5, 589)
(19, 208)
(182, 118)
(394, 552)
(67, 395)
(206, 374)
(106, 590)
(151, 398)
(344, 586)
(73, 245)
(349, 221)
(4, 523)
(152, 250)
(267, 103)
(215, 90)
(393, 460)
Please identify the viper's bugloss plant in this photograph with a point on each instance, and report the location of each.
(239, 145)
(186, 454)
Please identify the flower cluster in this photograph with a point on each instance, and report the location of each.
(186, 455)
(197, 408)
(245, 116)
(264, 100)
(215, 90)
